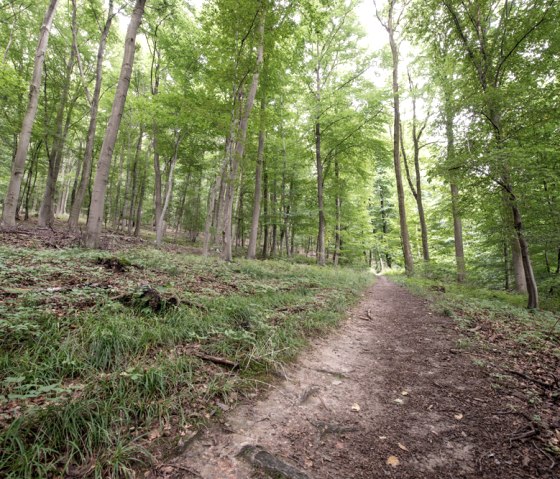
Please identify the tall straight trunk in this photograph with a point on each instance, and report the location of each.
(240, 143)
(102, 174)
(519, 279)
(457, 220)
(457, 233)
(252, 248)
(265, 211)
(210, 207)
(321, 257)
(182, 201)
(274, 215)
(116, 212)
(18, 166)
(134, 175)
(79, 197)
(405, 239)
(160, 221)
(338, 205)
(138, 221)
(46, 212)
(416, 186)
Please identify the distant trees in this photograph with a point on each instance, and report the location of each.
(254, 128)
(18, 164)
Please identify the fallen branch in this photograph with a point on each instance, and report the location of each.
(531, 379)
(215, 359)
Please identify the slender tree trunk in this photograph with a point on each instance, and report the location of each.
(160, 221)
(79, 197)
(104, 163)
(252, 249)
(116, 214)
(211, 204)
(532, 290)
(134, 175)
(265, 211)
(321, 257)
(407, 253)
(18, 166)
(138, 222)
(457, 220)
(240, 144)
(338, 205)
(518, 268)
(46, 212)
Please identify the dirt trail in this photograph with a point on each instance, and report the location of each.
(390, 382)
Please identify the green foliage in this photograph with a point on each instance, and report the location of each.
(83, 382)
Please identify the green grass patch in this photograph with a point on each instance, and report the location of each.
(92, 385)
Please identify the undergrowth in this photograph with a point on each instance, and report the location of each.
(93, 386)
(469, 305)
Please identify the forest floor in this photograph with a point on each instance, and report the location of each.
(141, 362)
(398, 392)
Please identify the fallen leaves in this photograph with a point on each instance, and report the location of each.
(393, 461)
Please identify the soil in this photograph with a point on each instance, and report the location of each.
(389, 395)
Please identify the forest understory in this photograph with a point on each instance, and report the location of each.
(118, 362)
(196, 197)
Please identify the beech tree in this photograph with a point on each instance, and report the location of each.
(12, 195)
(106, 154)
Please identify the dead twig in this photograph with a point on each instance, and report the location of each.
(215, 359)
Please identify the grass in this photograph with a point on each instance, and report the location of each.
(97, 387)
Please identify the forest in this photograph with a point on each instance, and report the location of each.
(271, 129)
(414, 138)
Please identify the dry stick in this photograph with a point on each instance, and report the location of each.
(529, 378)
(215, 359)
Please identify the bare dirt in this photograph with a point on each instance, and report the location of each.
(389, 394)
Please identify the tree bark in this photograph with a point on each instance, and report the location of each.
(405, 239)
(18, 166)
(252, 248)
(240, 144)
(321, 257)
(78, 201)
(106, 154)
(338, 205)
(457, 220)
(160, 221)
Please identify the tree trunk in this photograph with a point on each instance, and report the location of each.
(252, 249)
(18, 166)
(240, 144)
(338, 205)
(518, 269)
(134, 179)
(46, 212)
(457, 220)
(532, 290)
(265, 211)
(457, 233)
(106, 154)
(321, 258)
(79, 197)
(407, 253)
(138, 222)
(160, 221)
